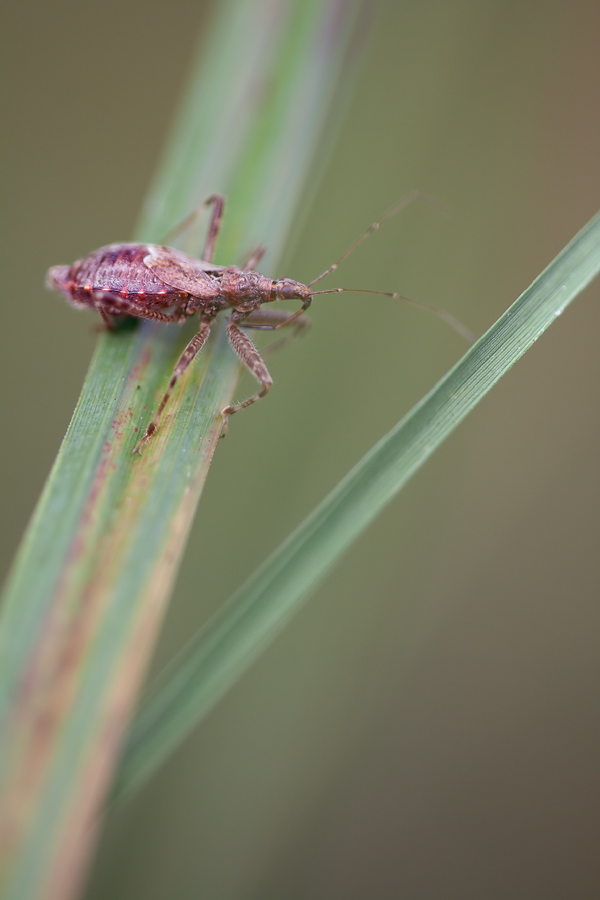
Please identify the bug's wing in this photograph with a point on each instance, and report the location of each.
(194, 276)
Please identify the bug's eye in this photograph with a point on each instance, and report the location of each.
(286, 289)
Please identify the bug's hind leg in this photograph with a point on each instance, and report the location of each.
(251, 358)
(191, 351)
(118, 306)
(109, 322)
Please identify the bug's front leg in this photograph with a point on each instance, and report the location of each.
(191, 351)
(273, 320)
(251, 358)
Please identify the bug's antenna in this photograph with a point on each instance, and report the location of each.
(442, 314)
(414, 195)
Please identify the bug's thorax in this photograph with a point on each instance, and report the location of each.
(246, 289)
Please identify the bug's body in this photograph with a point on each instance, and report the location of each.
(141, 279)
(149, 281)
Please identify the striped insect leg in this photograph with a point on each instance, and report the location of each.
(191, 351)
(251, 358)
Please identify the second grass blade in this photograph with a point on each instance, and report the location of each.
(205, 669)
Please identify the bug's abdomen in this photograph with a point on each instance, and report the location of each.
(118, 270)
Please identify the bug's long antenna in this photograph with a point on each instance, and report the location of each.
(442, 314)
(414, 195)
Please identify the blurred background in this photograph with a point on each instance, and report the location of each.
(428, 725)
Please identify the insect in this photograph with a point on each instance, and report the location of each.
(149, 281)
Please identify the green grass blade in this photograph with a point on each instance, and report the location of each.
(91, 580)
(211, 663)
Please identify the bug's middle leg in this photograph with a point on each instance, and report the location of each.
(218, 201)
(254, 258)
(191, 351)
(251, 358)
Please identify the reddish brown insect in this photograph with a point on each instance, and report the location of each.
(149, 281)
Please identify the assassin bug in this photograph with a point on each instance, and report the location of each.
(149, 281)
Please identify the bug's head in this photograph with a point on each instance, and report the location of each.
(58, 278)
(286, 289)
